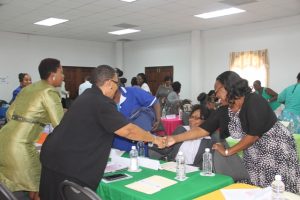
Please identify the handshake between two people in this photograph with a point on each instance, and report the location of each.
(163, 142)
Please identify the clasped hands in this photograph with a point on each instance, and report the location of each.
(163, 142)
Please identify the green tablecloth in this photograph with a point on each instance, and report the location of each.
(232, 142)
(193, 187)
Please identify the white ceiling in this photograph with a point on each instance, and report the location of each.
(92, 19)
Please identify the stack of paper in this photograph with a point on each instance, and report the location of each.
(151, 185)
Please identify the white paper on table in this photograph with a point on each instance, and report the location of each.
(151, 184)
(113, 167)
(121, 160)
(115, 152)
(149, 163)
(248, 194)
(171, 166)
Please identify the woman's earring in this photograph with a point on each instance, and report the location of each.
(53, 78)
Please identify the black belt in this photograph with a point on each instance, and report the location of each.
(23, 119)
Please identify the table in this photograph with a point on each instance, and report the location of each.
(193, 187)
(217, 195)
(232, 142)
(171, 124)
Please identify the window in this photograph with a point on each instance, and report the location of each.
(251, 65)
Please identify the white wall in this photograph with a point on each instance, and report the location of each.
(280, 37)
(23, 53)
(165, 51)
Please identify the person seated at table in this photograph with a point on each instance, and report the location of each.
(192, 149)
(269, 95)
(78, 149)
(269, 148)
(24, 80)
(173, 99)
(134, 101)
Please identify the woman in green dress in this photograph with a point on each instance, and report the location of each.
(35, 106)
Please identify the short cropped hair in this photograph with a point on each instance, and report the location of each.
(47, 66)
(101, 74)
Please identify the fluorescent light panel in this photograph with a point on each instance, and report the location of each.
(128, 0)
(124, 31)
(219, 13)
(51, 21)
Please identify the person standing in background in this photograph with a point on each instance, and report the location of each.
(164, 90)
(64, 94)
(142, 82)
(269, 95)
(85, 85)
(173, 99)
(24, 80)
(36, 105)
(290, 97)
(129, 101)
(134, 82)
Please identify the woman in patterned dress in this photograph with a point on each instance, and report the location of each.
(269, 148)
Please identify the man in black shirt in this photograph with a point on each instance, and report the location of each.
(78, 148)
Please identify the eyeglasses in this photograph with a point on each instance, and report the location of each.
(195, 117)
(116, 82)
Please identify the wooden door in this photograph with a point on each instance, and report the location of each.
(156, 75)
(74, 76)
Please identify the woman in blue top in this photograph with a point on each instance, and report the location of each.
(24, 80)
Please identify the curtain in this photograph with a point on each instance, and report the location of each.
(251, 65)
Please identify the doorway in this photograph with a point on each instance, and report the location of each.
(155, 76)
(74, 76)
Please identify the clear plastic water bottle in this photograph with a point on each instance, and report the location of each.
(134, 165)
(277, 188)
(291, 126)
(163, 113)
(207, 163)
(141, 148)
(180, 167)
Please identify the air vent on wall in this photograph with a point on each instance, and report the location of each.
(126, 26)
(237, 2)
(124, 40)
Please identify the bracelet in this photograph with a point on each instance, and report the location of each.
(226, 152)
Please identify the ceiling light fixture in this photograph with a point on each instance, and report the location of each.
(128, 0)
(51, 21)
(220, 13)
(124, 31)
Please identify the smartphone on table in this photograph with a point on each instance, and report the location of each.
(115, 177)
